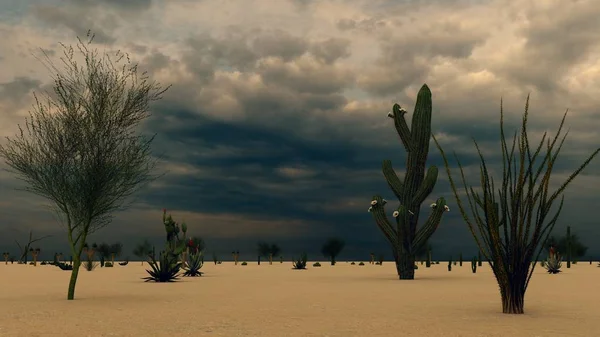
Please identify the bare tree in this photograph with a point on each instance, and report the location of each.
(80, 149)
(25, 249)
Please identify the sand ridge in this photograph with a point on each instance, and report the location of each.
(274, 300)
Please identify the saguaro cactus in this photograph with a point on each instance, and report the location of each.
(405, 238)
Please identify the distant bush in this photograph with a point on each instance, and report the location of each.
(108, 264)
(361, 264)
(301, 262)
(316, 264)
(244, 263)
(352, 263)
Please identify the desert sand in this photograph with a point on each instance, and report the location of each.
(274, 300)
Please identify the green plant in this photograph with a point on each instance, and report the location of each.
(411, 192)
(361, 263)
(352, 263)
(474, 265)
(301, 262)
(244, 263)
(163, 270)
(193, 264)
(215, 258)
(316, 264)
(108, 264)
(380, 259)
(508, 235)
(332, 248)
(450, 264)
(460, 259)
(553, 264)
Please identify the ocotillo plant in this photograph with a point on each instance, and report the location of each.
(511, 227)
(568, 246)
(411, 192)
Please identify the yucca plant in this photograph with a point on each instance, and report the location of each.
(193, 264)
(511, 228)
(300, 263)
(553, 263)
(165, 269)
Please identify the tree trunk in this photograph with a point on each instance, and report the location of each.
(405, 266)
(513, 299)
(73, 280)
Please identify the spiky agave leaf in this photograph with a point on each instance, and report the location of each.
(193, 264)
(163, 270)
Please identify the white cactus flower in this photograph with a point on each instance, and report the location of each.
(395, 214)
(447, 208)
(402, 110)
(434, 205)
(390, 114)
(373, 202)
(370, 209)
(411, 213)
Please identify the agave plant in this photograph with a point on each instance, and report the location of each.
(193, 264)
(163, 270)
(553, 264)
(301, 263)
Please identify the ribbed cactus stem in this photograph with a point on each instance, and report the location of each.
(411, 191)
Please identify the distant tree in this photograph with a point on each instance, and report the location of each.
(25, 249)
(268, 250)
(81, 150)
(578, 249)
(142, 250)
(115, 250)
(332, 248)
(103, 251)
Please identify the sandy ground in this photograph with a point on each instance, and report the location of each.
(274, 300)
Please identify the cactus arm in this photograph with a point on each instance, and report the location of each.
(429, 227)
(392, 179)
(426, 186)
(421, 123)
(382, 222)
(402, 127)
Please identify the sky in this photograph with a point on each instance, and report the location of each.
(276, 123)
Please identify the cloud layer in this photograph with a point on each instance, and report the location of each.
(275, 126)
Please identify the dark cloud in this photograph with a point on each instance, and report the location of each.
(278, 133)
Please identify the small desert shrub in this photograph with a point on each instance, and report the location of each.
(108, 264)
(219, 262)
(300, 263)
(163, 270)
(44, 263)
(244, 263)
(553, 264)
(352, 263)
(64, 266)
(316, 264)
(193, 265)
(90, 265)
(124, 263)
(361, 264)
